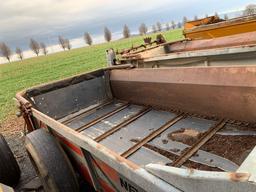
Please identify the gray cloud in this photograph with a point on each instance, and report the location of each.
(42, 19)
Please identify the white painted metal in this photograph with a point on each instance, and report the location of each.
(249, 165)
(191, 180)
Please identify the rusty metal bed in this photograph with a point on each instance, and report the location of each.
(147, 119)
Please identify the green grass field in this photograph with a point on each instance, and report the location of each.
(17, 76)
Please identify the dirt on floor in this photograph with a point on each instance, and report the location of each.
(183, 135)
(13, 131)
(234, 148)
(173, 157)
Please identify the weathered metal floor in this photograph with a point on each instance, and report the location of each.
(145, 135)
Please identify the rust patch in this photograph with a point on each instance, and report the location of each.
(190, 171)
(239, 177)
(185, 135)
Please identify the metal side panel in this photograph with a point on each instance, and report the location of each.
(190, 180)
(70, 99)
(208, 91)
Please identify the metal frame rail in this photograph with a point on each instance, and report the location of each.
(152, 135)
(194, 148)
(86, 111)
(97, 120)
(179, 161)
(124, 123)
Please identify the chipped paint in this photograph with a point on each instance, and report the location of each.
(239, 177)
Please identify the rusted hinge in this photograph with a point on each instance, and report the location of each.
(26, 113)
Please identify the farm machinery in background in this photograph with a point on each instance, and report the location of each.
(207, 42)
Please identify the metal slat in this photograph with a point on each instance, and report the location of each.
(194, 148)
(97, 120)
(85, 112)
(124, 123)
(151, 136)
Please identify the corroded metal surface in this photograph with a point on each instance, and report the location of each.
(203, 139)
(206, 91)
(151, 136)
(240, 40)
(229, 41)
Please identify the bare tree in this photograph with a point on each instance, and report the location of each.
(5, 51)
(206, 15)
(154, 29)
(226, 17)
(43, 48)
(159, 26)
(34, 46)
(126, 31)
(87, 38)
(167, 25)
(68, 44)
(173, 25)
(185, 19)
(216, 14)
(250, 9)
(62, 42)
(195, 17)
(19, 52)
(107, 34)
(143, 29)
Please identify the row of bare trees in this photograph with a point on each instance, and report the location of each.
(34, 46)
(65, 44)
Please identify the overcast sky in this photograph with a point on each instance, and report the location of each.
(46, 19)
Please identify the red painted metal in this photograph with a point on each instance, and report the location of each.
(70, 145)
